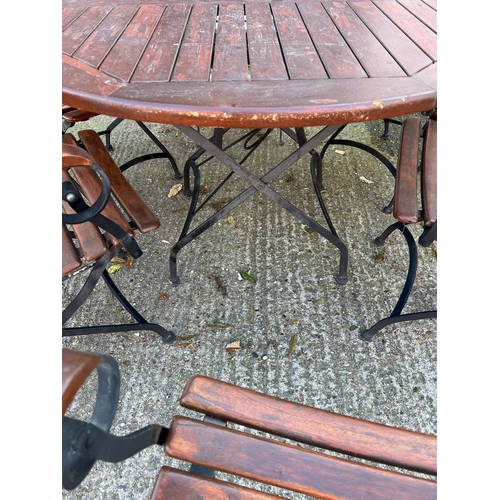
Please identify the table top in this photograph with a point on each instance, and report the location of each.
(250, 63)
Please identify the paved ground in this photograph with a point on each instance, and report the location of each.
(295, 296)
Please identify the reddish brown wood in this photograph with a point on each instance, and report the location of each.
(195, 53)
(301, 58)
(309, 62)
(405, 193)
(356, 437)
(264, 52)
(158, 60)
(429, 173)
(76, 367)
(338, 59)
(230, 50)
(174, 484)
(287, 466)
(402, 49)
(131, 202)
(70, 258)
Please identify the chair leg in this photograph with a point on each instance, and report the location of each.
(98, 271)
(396, 316)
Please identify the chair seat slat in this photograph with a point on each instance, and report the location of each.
(287, 466)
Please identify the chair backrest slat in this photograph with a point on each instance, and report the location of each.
(429, 173)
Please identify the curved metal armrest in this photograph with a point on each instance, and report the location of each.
(83, 443)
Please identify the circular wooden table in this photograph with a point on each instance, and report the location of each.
(251, 64)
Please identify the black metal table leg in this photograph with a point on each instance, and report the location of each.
(258, 184)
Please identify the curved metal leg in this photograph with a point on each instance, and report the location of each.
(396, 316)
(379, 156)
(98, 271)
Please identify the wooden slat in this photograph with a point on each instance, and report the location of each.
(195, 53)
(309, 425)
(375, 59)
(99, 43)
(76, 367)
(422, 11)
(87, 233)
(337, 58)
(158, 60)
(301, 58)
(174, 484)
(421, 34)
(230, 50)
(77, 115)
(70, 258)
(287, 466)
(128, 198)
(90, 239)
(264, 52)
(407, 54)
(125, 54)
(81, 28)
(405, 192)
(69, 15)
(429, 173)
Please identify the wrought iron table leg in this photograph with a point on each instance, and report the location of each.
(262, 186)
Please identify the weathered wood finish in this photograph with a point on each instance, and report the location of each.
(251, 63)
(90, 240)
(429, 174)
(175, 484)
(288, 466)
(305, 424)
(76, 367)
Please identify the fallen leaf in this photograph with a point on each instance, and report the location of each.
(230, 219)
(163, 296)
(307, 229)
(340, 152)
(293, 343)
(219, 204)
(379, 257)
(184, 344)
(188, 337)
(319, 301)
(233, 346)
(248, 276)
(114, 268)
(175, 190)
(365, 180)
(218, 325)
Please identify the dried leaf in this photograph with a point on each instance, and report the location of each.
(118, 260)
(219, 204)
(319, 301)
(233, 346)
(340, 152)
(248, 276)
(164, 297)
(188, 337)
(293, 343)
(307, 229)
(218, 325)
(130, 261)
(114, 268)
(365, 180)
(379, 257)
(175, 190)
(184, 344)
(230, 219)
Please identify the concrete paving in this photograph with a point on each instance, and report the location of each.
(294, 297)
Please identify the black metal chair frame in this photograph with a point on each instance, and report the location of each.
(84, 213)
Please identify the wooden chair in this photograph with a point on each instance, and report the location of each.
(413, 161)
(71, 115)
(292, 459)
(94, 233)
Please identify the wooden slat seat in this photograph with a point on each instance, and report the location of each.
(286, 465)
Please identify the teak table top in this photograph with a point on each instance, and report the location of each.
(252, 63)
